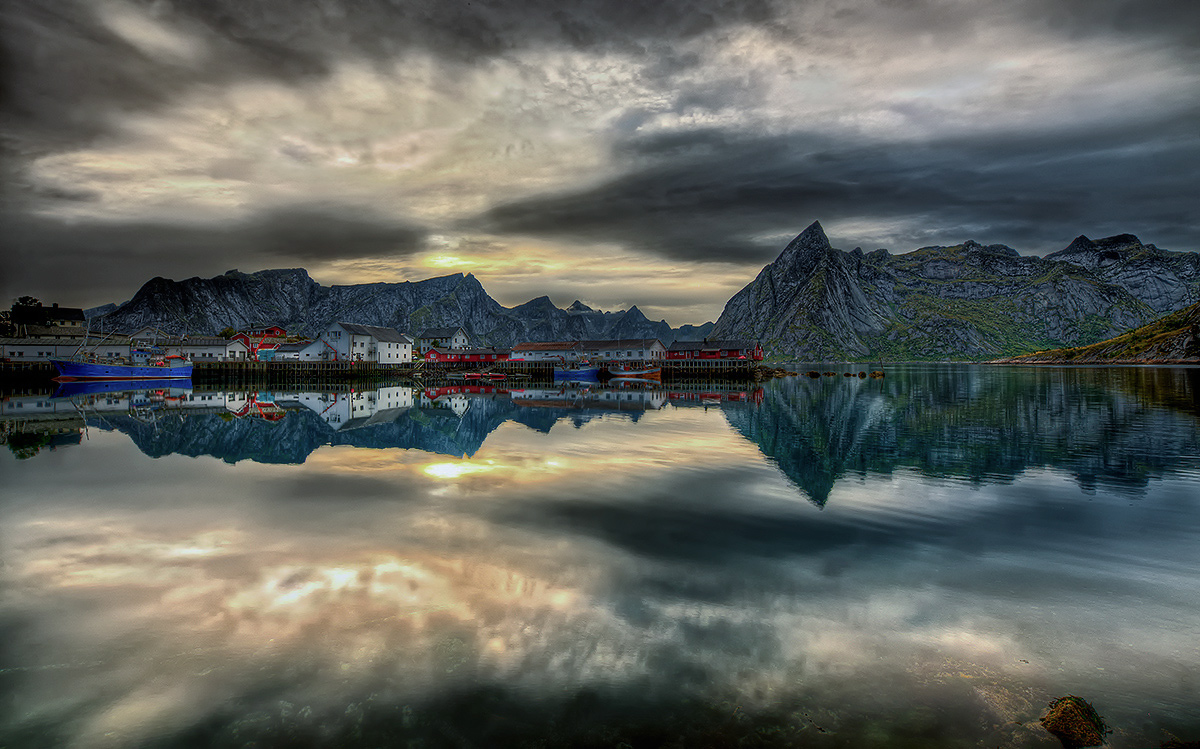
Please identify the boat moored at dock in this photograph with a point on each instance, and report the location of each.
(168, 368)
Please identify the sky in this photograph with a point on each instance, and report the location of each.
(616, 152)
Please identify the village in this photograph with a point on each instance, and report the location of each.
(42, 334)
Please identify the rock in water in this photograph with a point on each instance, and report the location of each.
(1075, 722)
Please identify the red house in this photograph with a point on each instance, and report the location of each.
(467, 355)
(258, 339)
(715, 350)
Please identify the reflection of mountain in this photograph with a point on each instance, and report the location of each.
(1115, 427)
(304, 424)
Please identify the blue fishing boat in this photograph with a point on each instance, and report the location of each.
(167, 368)
(581, 373)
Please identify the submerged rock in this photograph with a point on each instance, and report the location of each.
(1075, 722)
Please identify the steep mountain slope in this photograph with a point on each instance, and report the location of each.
(969, 301)
(294, 300)
(1174, 338)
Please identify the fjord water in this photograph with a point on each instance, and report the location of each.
(923, 560)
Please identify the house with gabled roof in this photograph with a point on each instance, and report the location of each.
(343, 341)
(49, 322)
(442, 338)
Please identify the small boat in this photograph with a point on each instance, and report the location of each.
(168, 368)
(585, 373)
(624, 371)
(496, 375)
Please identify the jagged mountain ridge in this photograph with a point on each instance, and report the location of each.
(969, 301)
(289, 297)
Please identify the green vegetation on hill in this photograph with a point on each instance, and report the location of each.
(1175, 337)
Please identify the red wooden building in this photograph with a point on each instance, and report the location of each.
(467, 355)
(260, 339)
(731, 349)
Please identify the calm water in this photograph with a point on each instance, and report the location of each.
(924, 560)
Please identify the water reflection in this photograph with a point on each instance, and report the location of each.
(585, 568)
(1115, 427)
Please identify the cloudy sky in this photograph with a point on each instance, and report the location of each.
(612, 151)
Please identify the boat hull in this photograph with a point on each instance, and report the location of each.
(69, 371)
(640, 373)
(584, 374)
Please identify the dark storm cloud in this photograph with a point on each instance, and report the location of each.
(88, 263)
(711, 195)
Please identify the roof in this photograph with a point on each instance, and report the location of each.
(292, 347)
(39, 315)
(710, 345)
(470, 351)
(62, 342)
(388, 335)
(440, 333)
(621, 343)
(51, 331)
(549, 346)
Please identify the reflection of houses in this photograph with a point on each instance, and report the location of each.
(49, 322)
(610, 399)
(343, 341)
(467, 355)
(453, 399)
(706, 349)
(344, 411)
(442, 338)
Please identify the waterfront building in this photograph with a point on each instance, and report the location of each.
(49, 322)
(45, 349)
(622, 349)
(261, 339)
(236, 350)
(343, 341)
(442, 338)
(555, 351)
(468, 355)
(706, 349)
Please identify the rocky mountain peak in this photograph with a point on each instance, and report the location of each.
(802, 255)
(578, 306)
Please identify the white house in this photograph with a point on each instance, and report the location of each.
(236, 350)
(442, 338)
(556, 351)
(201, 348)
(343, 341)
(623, 349)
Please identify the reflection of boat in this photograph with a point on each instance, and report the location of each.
(626, 372)
(171, 367)
(583, 372)
(496, 375)
(72, 388)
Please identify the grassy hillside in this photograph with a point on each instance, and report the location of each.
(1174, 338)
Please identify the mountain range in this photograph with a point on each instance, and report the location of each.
(814, 302)
(968, 301)
(294, 300)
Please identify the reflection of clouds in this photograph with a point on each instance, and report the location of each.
(665, 554)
